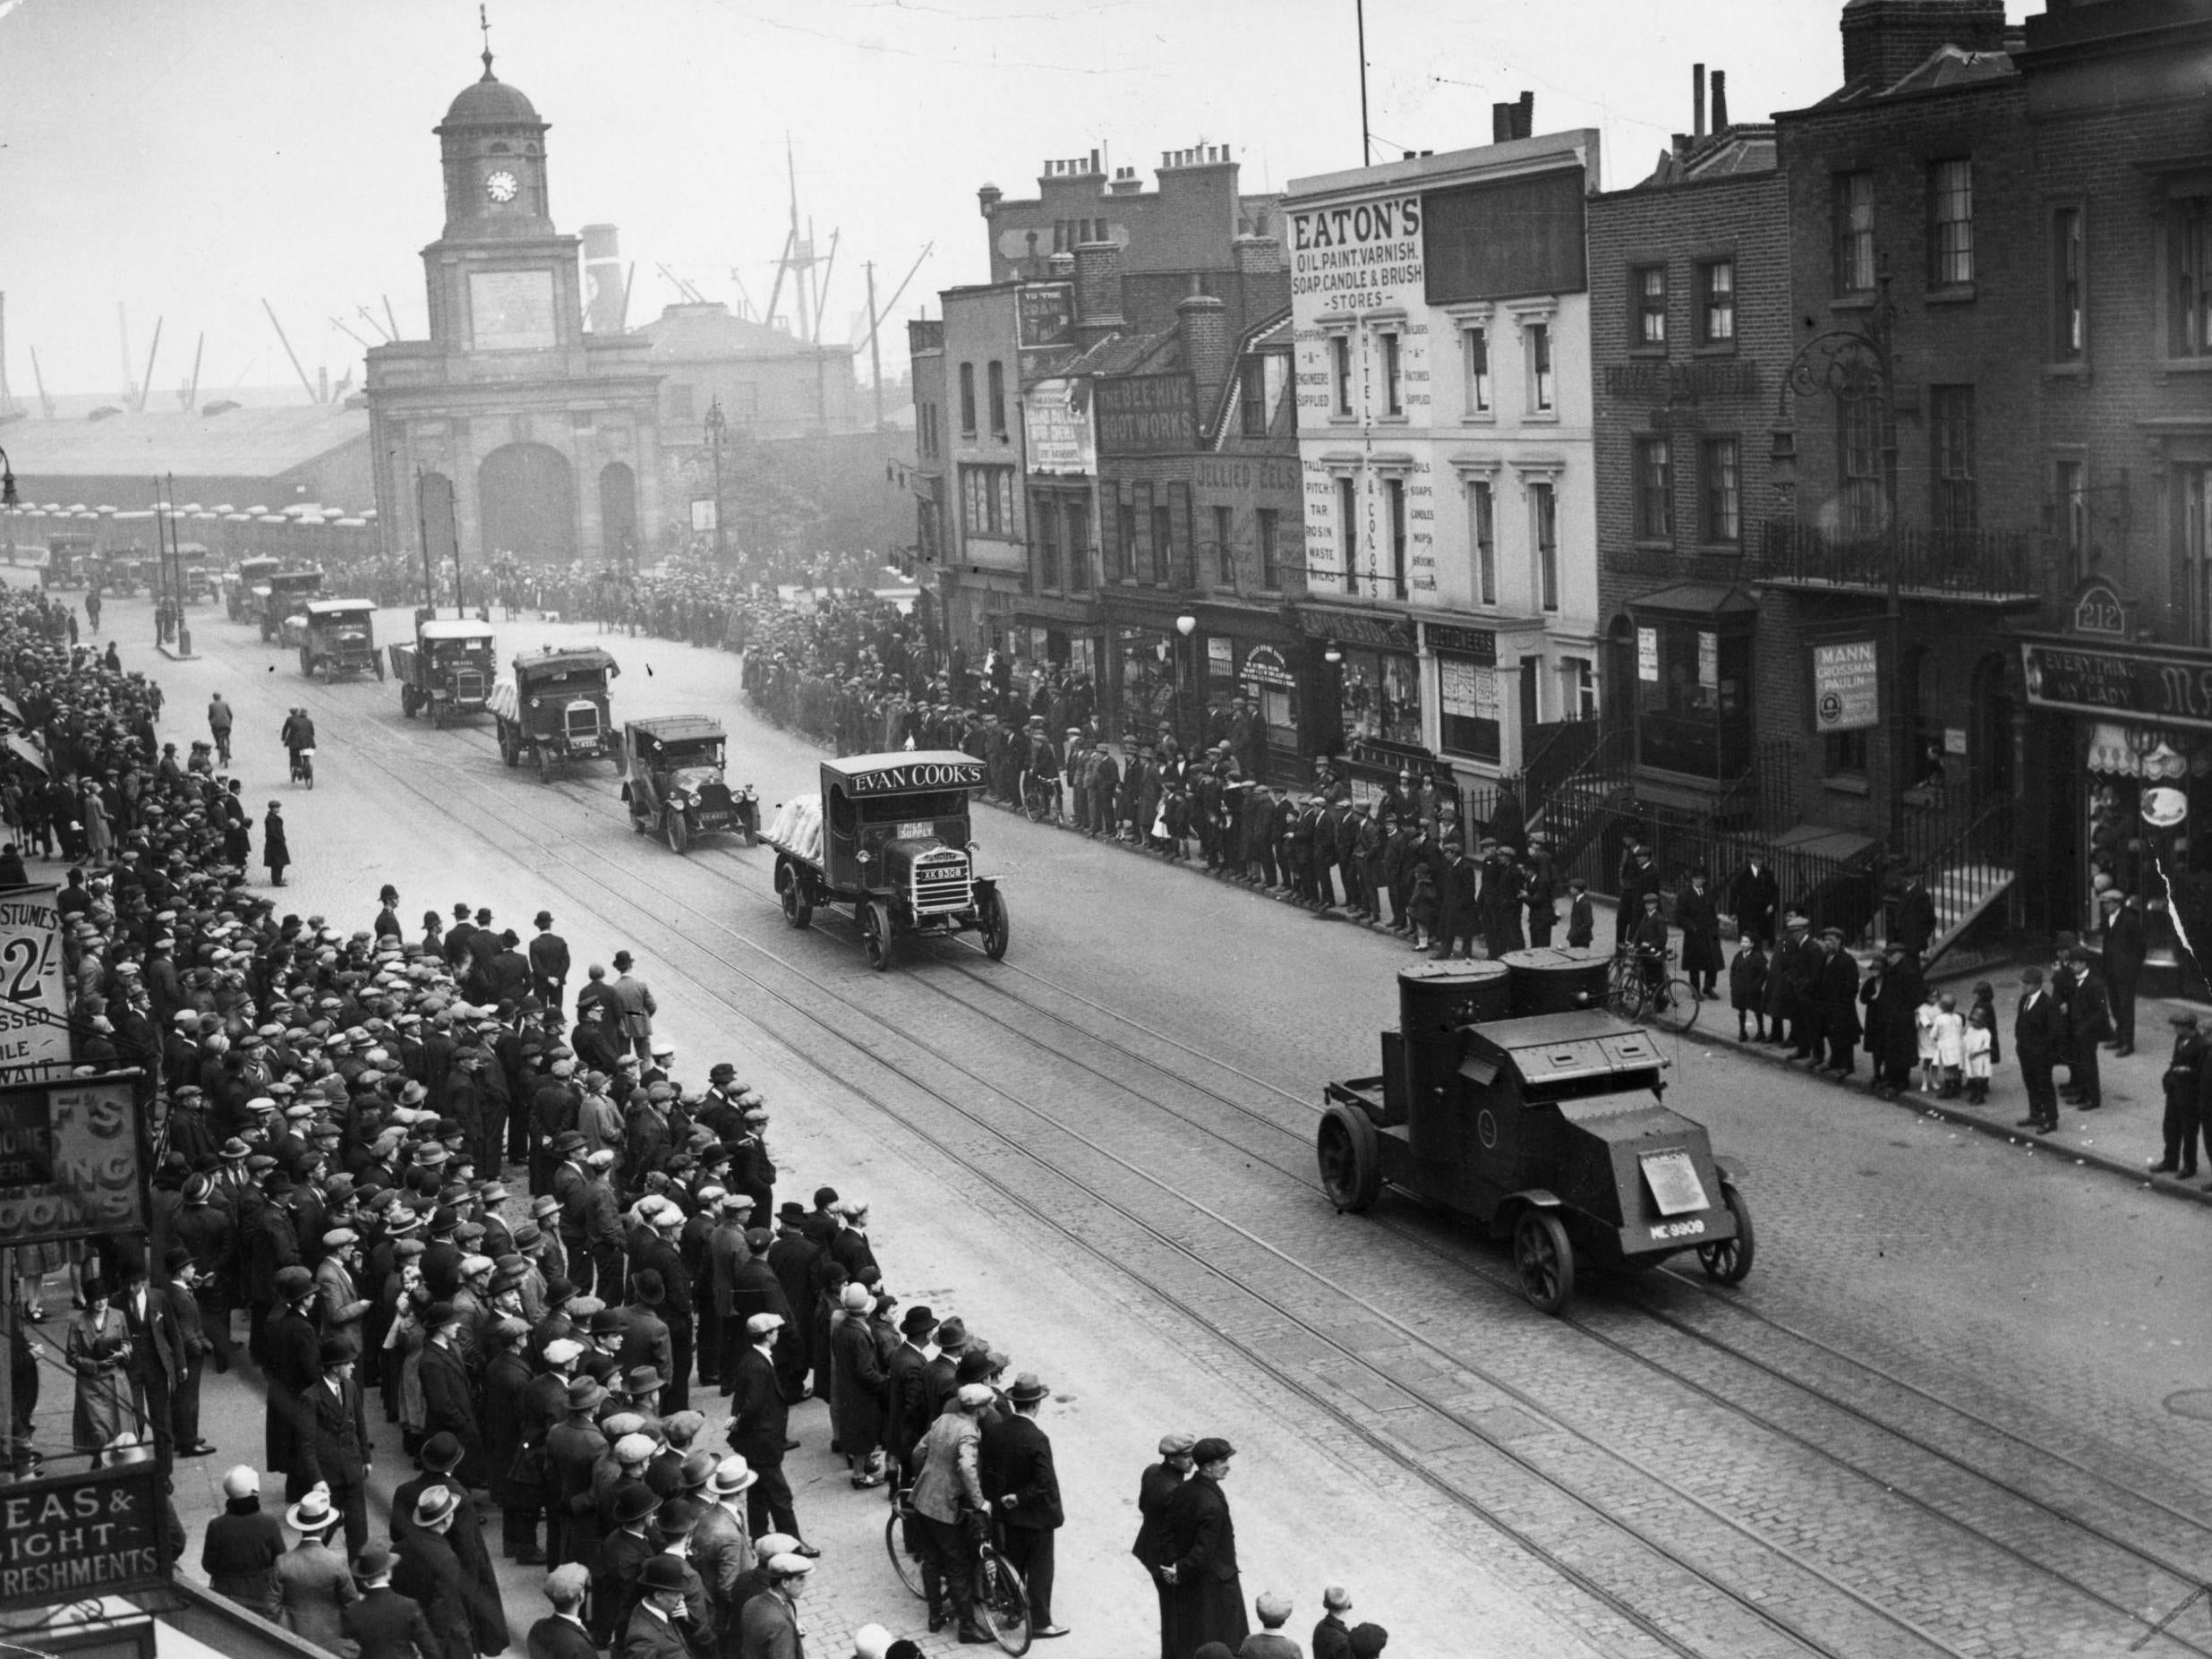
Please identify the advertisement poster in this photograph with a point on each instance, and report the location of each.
(1146, 414)
(1055, 414)
(1647, 654)
(1847, 686)
(34, 1042)
(69, 1156)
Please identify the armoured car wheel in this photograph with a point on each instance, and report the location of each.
(792, 891)
(997, 929)
(1350, 1161)
(1543, 1259)
(676, 831)
(1727, 1262)
(875, 918)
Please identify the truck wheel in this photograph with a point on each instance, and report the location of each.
(875, 918)
(1350, 1161)
(1543, 1259)
(437, 714)
(676, 831)
(1728, 1260)
(791, 893)
(378, 664)
(997, 927)
(510, 751)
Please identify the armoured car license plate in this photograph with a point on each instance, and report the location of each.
(1674, 1183)
(1679, 1229)
(919, 829)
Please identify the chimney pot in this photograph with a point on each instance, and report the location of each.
(1697, 99)
(1720, 101)
(1094, 161)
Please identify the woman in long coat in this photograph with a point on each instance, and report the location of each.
(857, 1388)
(100, 838)
(97, 1348)
(275, 851)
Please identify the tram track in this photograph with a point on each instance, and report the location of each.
(1753, 1604)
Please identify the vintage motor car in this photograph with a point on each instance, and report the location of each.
(1547, 1130)
(446, 670)
(239, 602)
(889, 840)
(280, 596)
(676, 788)
(554, 709)
(335, 636)
(65, 559)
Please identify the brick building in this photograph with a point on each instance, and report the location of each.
(2115, 678)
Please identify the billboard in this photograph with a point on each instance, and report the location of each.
(1055, 419)
(34, 1031)
(1146, 414)
(69, 1161)
(73, 1537)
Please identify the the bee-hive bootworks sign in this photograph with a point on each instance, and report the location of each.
(69, 1162)
(80, 1535)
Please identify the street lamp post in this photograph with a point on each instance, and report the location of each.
(1855, 366)
(7, 499)
(1185, 626)
(717, 429)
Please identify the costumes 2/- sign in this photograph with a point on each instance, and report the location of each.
(34, 1004)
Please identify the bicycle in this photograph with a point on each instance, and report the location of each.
(1667, 1002)
(304, 766)
(222, 744)
(1001, 1600)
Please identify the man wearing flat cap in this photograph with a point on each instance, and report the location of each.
(759, 1426)
(950, 1505)
(561, 1634)
(1156, 1494)
(1206, 1602)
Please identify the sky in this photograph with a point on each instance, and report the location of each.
(192, 158)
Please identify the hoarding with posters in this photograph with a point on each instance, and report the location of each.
(70, 1164)
(34, 1002)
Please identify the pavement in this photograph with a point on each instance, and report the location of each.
(1961, 1278)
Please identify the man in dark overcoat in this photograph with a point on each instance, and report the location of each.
(1836, 995)
(2184, 1083)
(2038, 1041)
(1023, 1490)
(1206, 1597)
(1699, 918)
(1156, 1495)
(1753, 897)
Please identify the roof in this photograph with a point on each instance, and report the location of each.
(903, 771)
(709, 330)
(1123, 354)
(452, 629)
(490, 102)
(238, 443)
(680, 728)
(339, 607)
(1698, 599)
(1738, 151)
(565, 659)
(1944, 69)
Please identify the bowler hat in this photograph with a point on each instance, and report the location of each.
(441, 1453)
(919, 1321)
(633, 1502)
(663, 1572)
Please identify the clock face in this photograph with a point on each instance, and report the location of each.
(500, 186)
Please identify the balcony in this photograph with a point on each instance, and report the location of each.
(1962, 566)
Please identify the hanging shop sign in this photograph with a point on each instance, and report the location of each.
(75, 1537)
(1847, 686)
(69, 1164)
(2138, 682)
(34, 1002)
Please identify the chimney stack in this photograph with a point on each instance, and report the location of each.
(1719, 102)
(1203, 322)
(1515, 120)
(1885, 40)
(1098, 285)
(1697, 99)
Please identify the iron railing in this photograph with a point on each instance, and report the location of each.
(1995, 566)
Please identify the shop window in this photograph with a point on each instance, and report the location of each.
(1474, 360)
(1950, 434)
(987, 500)
(1348, 530)
(1467, 708)
(1695, 717)
(2069, 316)
(2070, 507)
(1340, 374)
(1654, 498)
(1394, 501)
(1854, 222)
(1163, 542)
(1393, 375)
(1047, 520)
(1483, 531)
(1379, 695)
(1225, 553)
(1543, 507)
(1079, 545)
(1716, 302)
(2193, 516)
(1270, 521)
(1858, 463)
(1140, 551)
(1124, 540)
(1647, 285)
(1721, 463)
(996, 375)
(968, 399)
(2189, 257)
(1251, 397)
(1539, 378)
(1843, 757)
(1950, 223)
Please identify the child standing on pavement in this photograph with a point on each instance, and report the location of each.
(1986, 1005)
(1923, 1019)
(1949, 1045)
(1979, 1043)
(1746, 987)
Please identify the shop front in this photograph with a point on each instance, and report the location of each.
(2118, 788)
(1695, 647)
(1048, 636)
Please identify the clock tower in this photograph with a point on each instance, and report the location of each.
(544, 439)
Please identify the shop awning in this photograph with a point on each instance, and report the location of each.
(2113, 755)
(24, 750)
(1698, 599)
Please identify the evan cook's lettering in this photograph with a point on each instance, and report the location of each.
(903, 780)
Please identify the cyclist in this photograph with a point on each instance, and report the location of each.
(949, 1503)
(1649, 941)
(298, 736)
(218, 726)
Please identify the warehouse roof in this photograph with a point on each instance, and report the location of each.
(237, 443)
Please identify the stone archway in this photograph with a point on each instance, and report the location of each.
(618, 512)
(526, 498)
